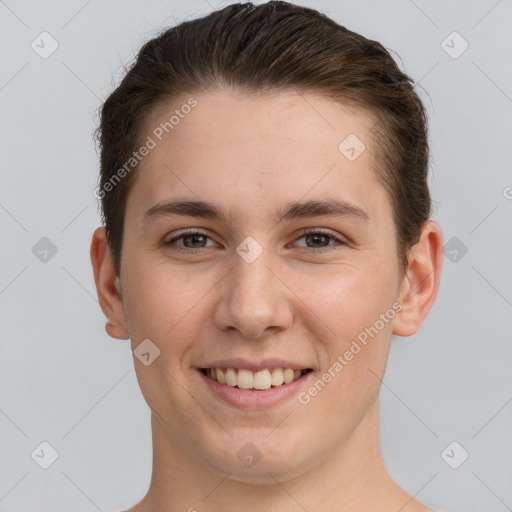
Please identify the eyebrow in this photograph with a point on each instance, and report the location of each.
(295, 210)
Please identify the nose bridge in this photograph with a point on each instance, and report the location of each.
(253, 299)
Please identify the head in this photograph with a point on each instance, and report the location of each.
(240, 118)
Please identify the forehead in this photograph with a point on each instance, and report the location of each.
(243, 121)
(253, 149)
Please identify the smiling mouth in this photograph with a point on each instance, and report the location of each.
(261, 380)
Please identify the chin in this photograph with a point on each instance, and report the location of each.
(261, 460)
(264, 473)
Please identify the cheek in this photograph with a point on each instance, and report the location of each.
(349, 298)
(351, 304)
(161, 297)
(356, 356)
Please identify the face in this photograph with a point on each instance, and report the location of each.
(266, 276)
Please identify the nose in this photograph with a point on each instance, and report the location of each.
(254, 299)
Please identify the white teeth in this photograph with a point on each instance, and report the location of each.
(262, 380)
(277, 377)
(288, 375)
(246, 379)
(231, 377)
(220, 376)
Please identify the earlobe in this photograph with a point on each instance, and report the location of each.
(115, 331)
(421, 282)
(108, 286)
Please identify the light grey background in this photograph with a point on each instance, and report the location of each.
(64, 381)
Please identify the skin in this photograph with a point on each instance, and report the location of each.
(251, 156)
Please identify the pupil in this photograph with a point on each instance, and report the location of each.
(194, 237)
(316, 237)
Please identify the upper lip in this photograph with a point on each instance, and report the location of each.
(255, 365)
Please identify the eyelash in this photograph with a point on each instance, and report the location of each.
(305, 232)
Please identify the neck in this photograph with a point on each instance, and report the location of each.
(353, 479)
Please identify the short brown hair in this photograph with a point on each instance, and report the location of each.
(272, 47)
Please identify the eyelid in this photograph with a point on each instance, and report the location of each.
(323, 231)
(185, 232)
(340, 241)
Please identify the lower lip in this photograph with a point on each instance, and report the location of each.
(259, 399)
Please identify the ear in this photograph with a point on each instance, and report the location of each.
(421, 281)
(108, 286)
